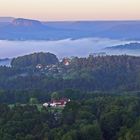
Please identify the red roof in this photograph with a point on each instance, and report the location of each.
(60, 102)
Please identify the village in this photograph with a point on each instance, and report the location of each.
(54, 68)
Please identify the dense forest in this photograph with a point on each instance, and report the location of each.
(104, 93)
(102, 117)
(102, 73)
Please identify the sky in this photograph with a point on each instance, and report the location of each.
(47, 10)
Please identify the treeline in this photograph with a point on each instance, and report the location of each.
(102, 74)
(98, 118)
(24, 96)
(107, 73)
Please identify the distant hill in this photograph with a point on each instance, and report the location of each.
(26, 22)
(26, 29)
(6, 19)
(130, 46)
(107, 29)
(33, 60)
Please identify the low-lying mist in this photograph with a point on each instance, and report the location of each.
(62, 48)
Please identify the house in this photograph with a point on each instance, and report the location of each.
(39, 66)
(66, 61)
(57, 103)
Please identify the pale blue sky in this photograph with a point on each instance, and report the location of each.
(71, 9)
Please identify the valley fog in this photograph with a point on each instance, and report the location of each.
(62, 48)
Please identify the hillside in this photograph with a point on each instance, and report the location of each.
(85, 74)
(36, 30)
(26, 22)
(104, 93)
(34, 59)
(130, 46)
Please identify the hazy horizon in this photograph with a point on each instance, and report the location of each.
(74, 20)
(71, 10)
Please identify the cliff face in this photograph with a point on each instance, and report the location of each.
(26, 22)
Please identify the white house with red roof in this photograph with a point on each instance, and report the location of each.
(57, 103)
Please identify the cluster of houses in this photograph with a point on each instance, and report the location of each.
(57, 103)
(54, 68)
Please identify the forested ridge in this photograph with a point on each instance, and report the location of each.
(106, 73)
(104, 93)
